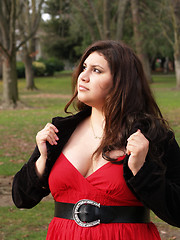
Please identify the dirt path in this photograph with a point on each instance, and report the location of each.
(167, 232)
(5, 192)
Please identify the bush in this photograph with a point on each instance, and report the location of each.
(58, 64)
(49, 68)
(20, 69)
(52, 65)
(39, 68)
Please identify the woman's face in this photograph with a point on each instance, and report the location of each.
(95, 81)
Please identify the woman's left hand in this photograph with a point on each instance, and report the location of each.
(137, 147)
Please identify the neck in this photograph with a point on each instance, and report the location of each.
(97, 121)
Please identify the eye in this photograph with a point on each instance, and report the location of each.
(97, 70)
(84, 67)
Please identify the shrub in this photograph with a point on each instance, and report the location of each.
(20, 69)
(49, 68)
(58, 64)
(52, 65)
(39, 68)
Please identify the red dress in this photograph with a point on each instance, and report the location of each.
(105, 186)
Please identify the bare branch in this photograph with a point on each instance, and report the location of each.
(120, 21)
(167, 37)
(175, 8)
(4, 8)
(33, 28)
(4, 51)
(85, 17)
(4, 26)
(162, 7)
(106, 18)
(20, 9)
(12, 30)
(7, 6)
(32, 25)
(99, 25)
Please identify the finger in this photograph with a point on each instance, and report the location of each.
(51, 132)
(138, 140)
(52, 135)
(128, 152)
(137, 133)
(51, 126)
(135, 143)
(51, 140)
(131, 150)
(47, 135)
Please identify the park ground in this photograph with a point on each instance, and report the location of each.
(18, 129)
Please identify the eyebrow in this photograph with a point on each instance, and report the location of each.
(94, 65)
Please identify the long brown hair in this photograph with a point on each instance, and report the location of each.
(130, 105)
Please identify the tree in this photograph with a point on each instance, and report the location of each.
(10, 11)
(86, 21)
(175, 4)
(138, 25)
(170, 25)
(91, 12)
(28, 25)
(122, 5)
(100, 16)
(62, 38)
(139, 38)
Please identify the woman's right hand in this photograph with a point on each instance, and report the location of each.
(47, 134)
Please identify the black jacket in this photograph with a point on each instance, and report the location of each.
(157, 186)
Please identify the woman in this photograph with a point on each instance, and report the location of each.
(110, 163)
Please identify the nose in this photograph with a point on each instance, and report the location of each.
(84, 76)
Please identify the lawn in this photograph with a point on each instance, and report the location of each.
(18, 129)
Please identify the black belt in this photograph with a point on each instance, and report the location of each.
(88, 213)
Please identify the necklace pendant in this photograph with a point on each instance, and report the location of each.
(96, 137)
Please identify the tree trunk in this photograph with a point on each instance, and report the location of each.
(146, 66)
(96, 18)
(30, 85)
(176, 26)
(120, 20)
(106, 20)
(78, 5)
(10, 90)
(138, 36)
(177, 68)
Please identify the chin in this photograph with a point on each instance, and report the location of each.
(89, 102)
(85, 101)
(82, 98)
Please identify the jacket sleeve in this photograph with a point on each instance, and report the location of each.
(28, 189)
(157, 186)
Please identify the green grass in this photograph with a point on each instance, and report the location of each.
(168, 99)
(18, 129)
(25, 224)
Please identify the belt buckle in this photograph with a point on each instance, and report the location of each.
(76, 212)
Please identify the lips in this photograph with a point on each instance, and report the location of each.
(83, 88)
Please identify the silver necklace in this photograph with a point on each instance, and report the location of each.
(96, 137)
